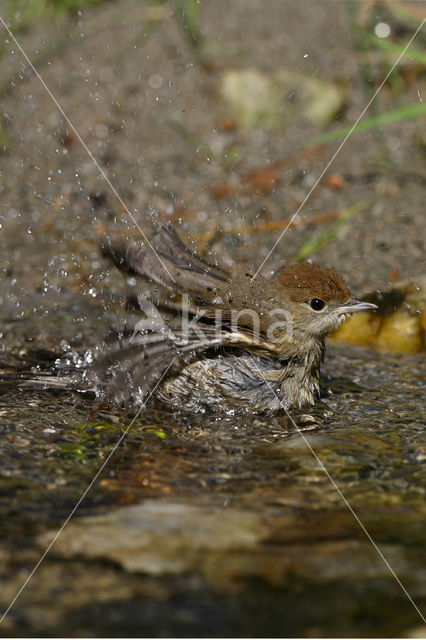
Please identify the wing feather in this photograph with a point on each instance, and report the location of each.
(129, 368)
(169, 263)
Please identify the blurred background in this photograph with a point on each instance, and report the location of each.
(219, 116)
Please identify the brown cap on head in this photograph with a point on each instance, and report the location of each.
(310, 280)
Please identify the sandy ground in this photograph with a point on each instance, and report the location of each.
(120, 93)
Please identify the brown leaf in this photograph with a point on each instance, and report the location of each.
(335, 181)
(262, 180)
(221, 191)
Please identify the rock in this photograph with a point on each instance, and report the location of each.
(224, 545)
(160, 537)
(261, 99)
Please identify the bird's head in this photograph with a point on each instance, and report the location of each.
(318, 298)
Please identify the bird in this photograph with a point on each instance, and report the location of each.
(234, 341)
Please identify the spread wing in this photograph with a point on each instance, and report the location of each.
(133, 364)
(170, 263)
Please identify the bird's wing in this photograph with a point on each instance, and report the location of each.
(211, 289)
(131, 366)
(171, 264)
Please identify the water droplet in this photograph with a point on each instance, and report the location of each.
(382, 30)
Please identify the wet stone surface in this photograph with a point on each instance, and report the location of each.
(222, 517)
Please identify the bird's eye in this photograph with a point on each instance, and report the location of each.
(317, 304)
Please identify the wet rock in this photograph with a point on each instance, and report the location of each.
(160, 537)
(224, 545)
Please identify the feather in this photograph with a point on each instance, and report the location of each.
(308, 280)
(169, 263)
(130, 366)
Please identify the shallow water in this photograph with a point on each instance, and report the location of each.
(277, 537)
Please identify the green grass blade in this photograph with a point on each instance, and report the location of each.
(188, 12)
(198, 145)
(396, 115)
(329, 234)
(394, 47)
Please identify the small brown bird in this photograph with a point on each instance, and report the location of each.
(235, 342)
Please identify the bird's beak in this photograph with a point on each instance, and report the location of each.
(356, 305)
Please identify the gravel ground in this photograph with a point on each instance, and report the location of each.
(120, 93)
